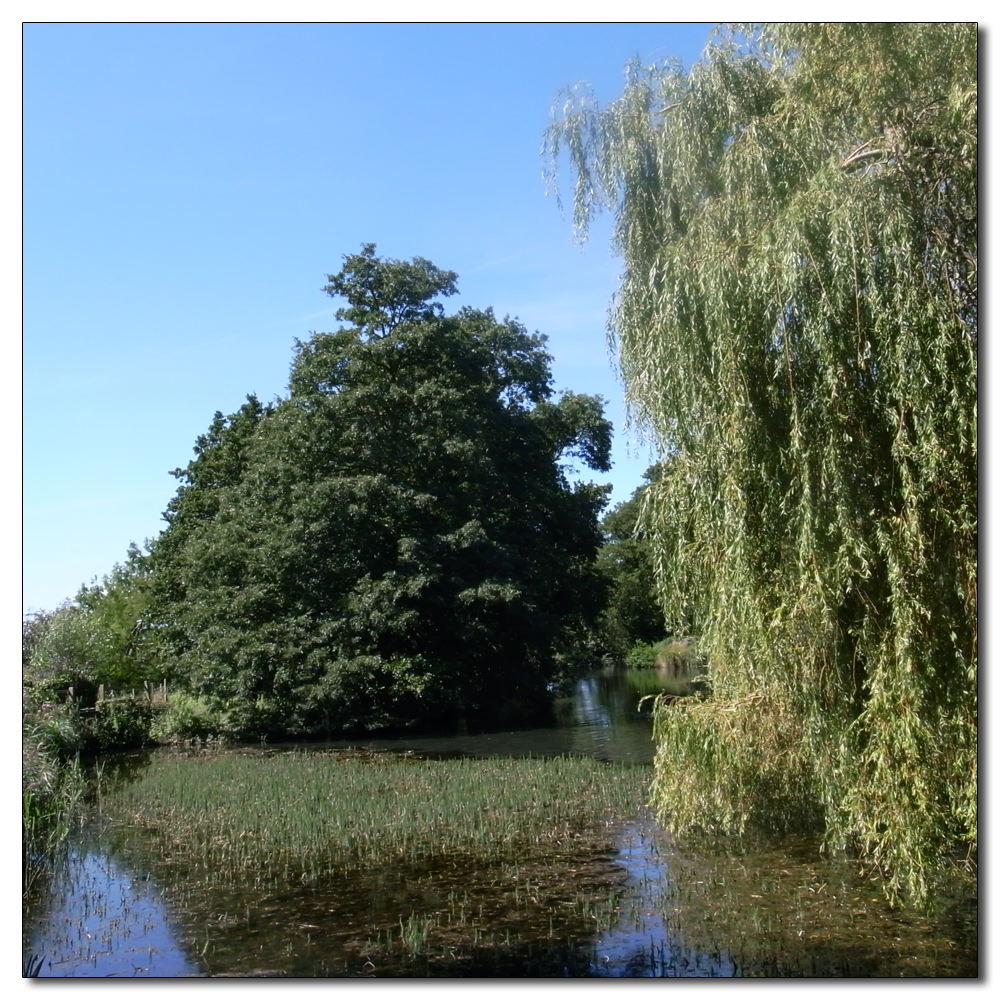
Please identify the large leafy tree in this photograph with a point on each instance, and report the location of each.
(797, 329)
(397, 540)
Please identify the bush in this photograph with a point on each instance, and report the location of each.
(65, 648)
(641, 655)
(676, 657)
(185, 718)
(120, 724)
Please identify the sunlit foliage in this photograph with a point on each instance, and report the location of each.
(797, 331)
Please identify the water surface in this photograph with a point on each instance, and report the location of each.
(636, 904)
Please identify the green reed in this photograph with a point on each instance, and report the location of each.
(309, 813)
(52, 793)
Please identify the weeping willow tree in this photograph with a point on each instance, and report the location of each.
(797, 332)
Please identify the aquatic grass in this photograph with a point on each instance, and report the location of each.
(415, 932)
(609, 900)
(52, 792)
(31, 966)
(455, 906)
(305, 814)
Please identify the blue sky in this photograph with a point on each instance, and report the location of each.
(187, 188)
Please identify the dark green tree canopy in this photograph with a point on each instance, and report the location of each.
(797, 330)
(397, 540)
(633, 614)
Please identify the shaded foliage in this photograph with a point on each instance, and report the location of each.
(632, 615)
(797, 330)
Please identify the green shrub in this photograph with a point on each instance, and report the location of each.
(185, 718)
(121, 724)
(641, 655)
(678, 657)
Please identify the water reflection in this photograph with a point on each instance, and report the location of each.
(102, 920)
(642, 944)
(642, 906)
(602, 719)
(776, 909)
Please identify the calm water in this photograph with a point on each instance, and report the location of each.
(602, 719)
(641, 905)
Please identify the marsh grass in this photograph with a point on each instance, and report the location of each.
(297, 816)
(52, 792)
(340, 863)
(584, 896)
(415, 932)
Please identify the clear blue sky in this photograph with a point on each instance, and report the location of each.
(188, 187)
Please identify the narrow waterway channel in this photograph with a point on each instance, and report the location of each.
(631, 902)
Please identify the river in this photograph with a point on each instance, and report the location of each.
(642, 905)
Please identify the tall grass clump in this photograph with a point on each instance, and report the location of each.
(52, 791)
(52, 735)
(309, 813)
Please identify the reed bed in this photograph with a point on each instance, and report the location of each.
(52, 792)
(307, 814)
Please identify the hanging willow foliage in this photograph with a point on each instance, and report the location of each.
(797, 331)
